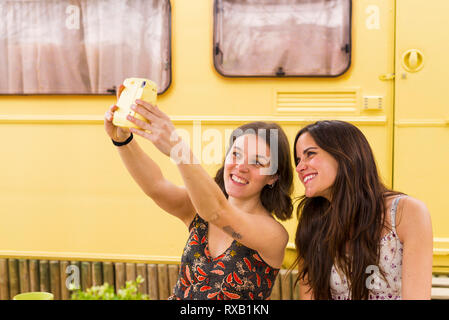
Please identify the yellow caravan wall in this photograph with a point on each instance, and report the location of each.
(65, 193)
(421, 156)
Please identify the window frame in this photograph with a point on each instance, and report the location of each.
(113, 91)
(216, 48)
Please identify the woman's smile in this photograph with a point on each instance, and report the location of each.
(307, 178)
(238, 180)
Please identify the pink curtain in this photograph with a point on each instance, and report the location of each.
(302, 37)
(82, 46)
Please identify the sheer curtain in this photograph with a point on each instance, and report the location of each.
(82, 46)
(297, 37)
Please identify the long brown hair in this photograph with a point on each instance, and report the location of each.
(277, 199)
(345, 231)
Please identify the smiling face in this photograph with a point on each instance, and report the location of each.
(316, 168)
(243, 168)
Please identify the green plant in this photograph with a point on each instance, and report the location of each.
(106, 292)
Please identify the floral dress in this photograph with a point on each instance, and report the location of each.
(238, 273)
(390, 262)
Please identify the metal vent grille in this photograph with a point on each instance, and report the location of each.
(344, 101)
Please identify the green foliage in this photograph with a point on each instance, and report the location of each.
(106, 292)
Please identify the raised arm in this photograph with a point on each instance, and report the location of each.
(171, 198)
(259, 232)
(147, 174)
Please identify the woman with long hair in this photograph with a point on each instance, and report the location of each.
(236, 247)
(356, 239)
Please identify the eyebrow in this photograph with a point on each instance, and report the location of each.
(305, 151)
(257, 155)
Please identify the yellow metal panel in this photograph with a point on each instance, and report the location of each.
(64, 192)
(422, 27)
(421, 154)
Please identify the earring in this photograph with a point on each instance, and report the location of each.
(271, 186)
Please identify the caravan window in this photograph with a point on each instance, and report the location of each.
(282, 38)
(83, 46)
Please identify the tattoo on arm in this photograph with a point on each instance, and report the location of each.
(232, 233)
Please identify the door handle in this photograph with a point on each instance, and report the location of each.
(387, 76)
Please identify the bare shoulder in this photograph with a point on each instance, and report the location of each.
(275, 242)
(412, 209)
(276, 228)
(413, 217)
(283, 233)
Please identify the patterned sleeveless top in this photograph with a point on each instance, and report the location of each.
(390, 261)
(238, 273)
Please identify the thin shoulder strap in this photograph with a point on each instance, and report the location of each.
(394, 207)
(194, 221)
